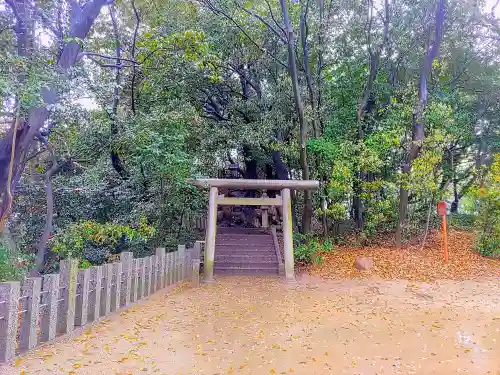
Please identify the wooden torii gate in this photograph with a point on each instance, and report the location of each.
(284, 200)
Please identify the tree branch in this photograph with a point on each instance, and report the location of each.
(116, 66)
(108, 57)
(218, 11)
(13, 7)
(493, 8)
(134, 41)
(42, 244)
(261, 19)
(274, 19)
(46, 22)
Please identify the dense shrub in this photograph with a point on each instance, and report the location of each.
(11, 268)
(309, 248)
(96, 242)
(464, 222)
(488, 220)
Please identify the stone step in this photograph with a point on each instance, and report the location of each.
(238, 241)
(247, 265)
(244, 235)
(239, 251)
(257, 237)
(245, 258)
(244, 245)
(245, 251)
(241, 272)
(246, 271)
(239, 230)
(254, 262)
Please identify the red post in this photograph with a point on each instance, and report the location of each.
(445, 240)
(441, 207)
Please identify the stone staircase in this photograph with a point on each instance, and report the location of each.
(245, 251)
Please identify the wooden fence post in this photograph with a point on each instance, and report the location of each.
(82, 297)
(181, 249)
(195, 273)
(197, 250)
(188, 263)
(30, 292)
(165, 270)
(48, 316)
(142, 270)
(152, 274)
(68, 271)
(9, 297)
(95, 292)
(176, 265)
(170, 269)
(116, 290)
(107, 289)
(135, 280)
(126, 259)
(149, 267)
(160, 255)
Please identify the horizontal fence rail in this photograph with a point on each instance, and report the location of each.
(41, 308)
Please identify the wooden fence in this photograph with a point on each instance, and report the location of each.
(41, 308)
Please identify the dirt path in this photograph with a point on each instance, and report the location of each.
(260, 326)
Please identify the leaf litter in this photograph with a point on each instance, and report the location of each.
(411, 263)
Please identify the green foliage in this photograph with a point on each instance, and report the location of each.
(463, 222)
(308, 248)
(11, 268)
(95, 242)
(211, 80)
(488, 219)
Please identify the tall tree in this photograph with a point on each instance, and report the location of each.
(418, 123)
(21, 137)
(299, 105)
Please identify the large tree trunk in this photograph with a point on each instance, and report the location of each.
(364, 108)
(304, 31)
(115, 158)
(82, 19)
(279, 166)
(418, 121)
(320, 62)
(292, 70)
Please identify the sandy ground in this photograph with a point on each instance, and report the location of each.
(243, 325)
